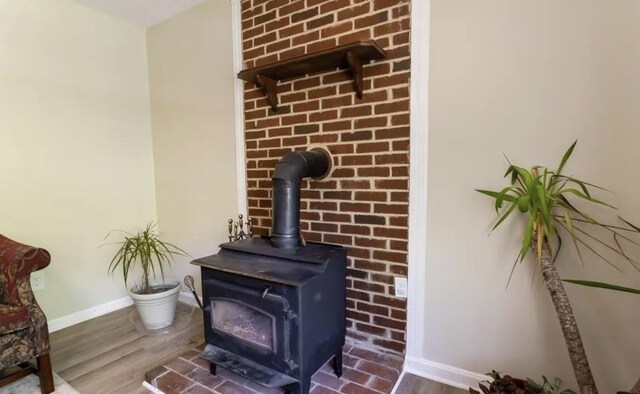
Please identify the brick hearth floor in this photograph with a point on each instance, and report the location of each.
(364, 372)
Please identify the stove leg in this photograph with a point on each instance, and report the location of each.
(212, 368)
(302, 387)
(337, 363)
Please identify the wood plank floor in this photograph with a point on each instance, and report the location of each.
(412, 384)
(111, 353)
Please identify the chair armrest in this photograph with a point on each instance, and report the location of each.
(17, 262)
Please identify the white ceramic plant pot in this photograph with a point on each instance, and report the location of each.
(157, 310)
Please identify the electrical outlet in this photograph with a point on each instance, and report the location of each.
(37, 280)
(400, 283)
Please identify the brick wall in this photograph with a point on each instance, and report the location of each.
(363, 204)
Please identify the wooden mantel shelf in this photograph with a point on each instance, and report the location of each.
(350, 56)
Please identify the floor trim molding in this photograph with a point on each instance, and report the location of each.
(442, 373)
(188, 298)
(103, 309)
(89, 313)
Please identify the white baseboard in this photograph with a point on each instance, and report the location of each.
(103, 309)
(442, 373)
(187, 298)
(149, 387)
(90, 313)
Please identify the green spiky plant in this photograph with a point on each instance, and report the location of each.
(547, 199)
(144, 248)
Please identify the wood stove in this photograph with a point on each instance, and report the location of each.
(274, 307)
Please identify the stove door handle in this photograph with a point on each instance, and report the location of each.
(266, 291)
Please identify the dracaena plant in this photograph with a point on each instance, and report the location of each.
(547, 199)
(147, 249)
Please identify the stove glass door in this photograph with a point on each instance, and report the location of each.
(243, 322)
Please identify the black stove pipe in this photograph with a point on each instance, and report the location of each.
(285, 232)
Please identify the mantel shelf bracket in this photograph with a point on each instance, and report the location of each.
(270, 88)
(356, 69)
(351, 56)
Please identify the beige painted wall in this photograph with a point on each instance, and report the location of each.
(526, 78)
(192, 111)
(75, 142)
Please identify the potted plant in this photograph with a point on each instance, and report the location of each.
(155, 299)
(545, 198)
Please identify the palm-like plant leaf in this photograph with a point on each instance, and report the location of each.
(544, 196)
(144, 248)
(603, 285)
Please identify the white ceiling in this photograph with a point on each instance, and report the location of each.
(143, 13)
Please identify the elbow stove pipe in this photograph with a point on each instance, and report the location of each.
(316, 163)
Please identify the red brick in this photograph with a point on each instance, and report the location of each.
(401, 221)
(356, 136)
(337, 77)
(401, 184)
(337, 239)
(340, 149)
(398, 269)
(306, 38)
(246, 34)
(323, 115)
(399, 233)
(293, 6)
(391, 345)
(293, 119)
(374, 172)
(401, 119)
(268, 59)
(306, 106)
(371, 196)
(351, 184)
(369, 219)
(343, 173)
(379, 370)
(334, 5)
(325, 91)
(356, 230)
(390, 256)
(395, 79)
(339, 101)
(337, 29)
(278, 46)
(321, 21)
(402, 171)
(400, 11)
(371, 243)
(349, 112)
(291, 53)
(374, 96)
(341, 125)
(336, 217)
(352, 12)
(370, 122)
(306, 14)
(291, 30)
(356, 160)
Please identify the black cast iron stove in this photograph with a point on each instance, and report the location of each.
(274, 308)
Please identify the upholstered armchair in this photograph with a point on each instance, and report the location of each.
(23, 326)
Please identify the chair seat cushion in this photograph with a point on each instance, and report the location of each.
(13, 318)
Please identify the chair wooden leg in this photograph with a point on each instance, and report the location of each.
(45, 373)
